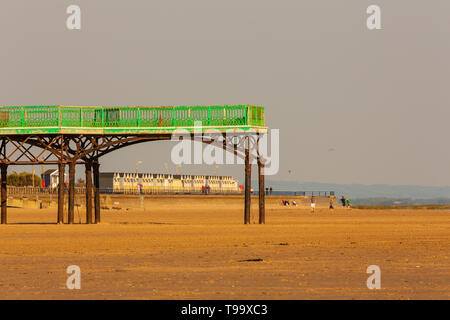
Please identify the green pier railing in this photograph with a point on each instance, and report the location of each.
(127, 119)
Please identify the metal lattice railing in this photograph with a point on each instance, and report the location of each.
(130, 116)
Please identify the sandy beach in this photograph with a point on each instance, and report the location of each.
(195, 253)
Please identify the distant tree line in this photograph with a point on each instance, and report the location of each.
(23, 179)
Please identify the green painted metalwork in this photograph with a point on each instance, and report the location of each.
(128, 119)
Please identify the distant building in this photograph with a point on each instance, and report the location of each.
(161, 183)
(50, 178)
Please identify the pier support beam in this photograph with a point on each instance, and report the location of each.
(96, 167)
(262, 208)
(88, 166)
(4, 196)
(61, 170)
(248, 172)
(71, 209)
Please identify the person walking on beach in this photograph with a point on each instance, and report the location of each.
(331, 205)
(343, 201)
(348, 203)
(313, 203)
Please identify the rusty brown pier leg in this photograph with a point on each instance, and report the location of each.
(262, 208)
(248, 172)
(88, 166)
(96, 167)
(71, 209)
(4, 197)
(61, 169)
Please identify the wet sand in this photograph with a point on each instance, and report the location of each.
(199, 253)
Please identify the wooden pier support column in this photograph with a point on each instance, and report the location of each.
(262, 207)
(88, 166)
(96, 167)
(61, 170)
(71, 209)
(248, 172)
(4, 196)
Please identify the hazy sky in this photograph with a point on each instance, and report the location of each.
(352, 105)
